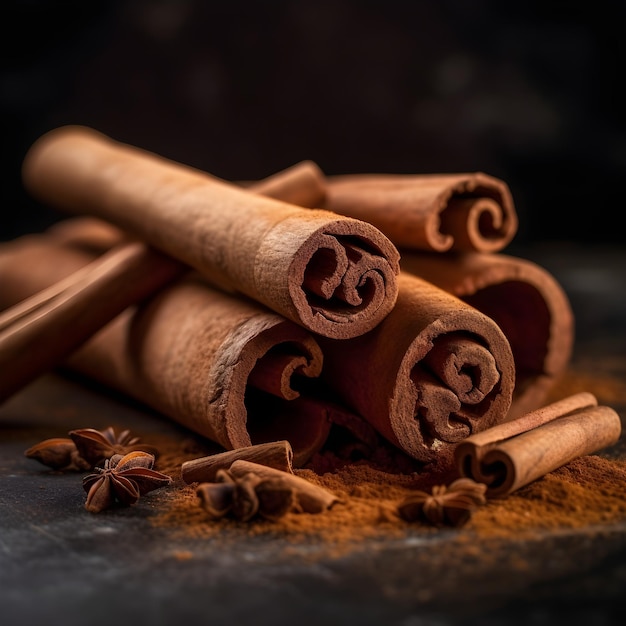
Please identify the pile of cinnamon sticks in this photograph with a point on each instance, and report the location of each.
(281, 310)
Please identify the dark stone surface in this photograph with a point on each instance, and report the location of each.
(61, 565)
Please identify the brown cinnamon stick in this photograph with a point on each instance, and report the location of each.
(436, 212)
(276, 454)
(40, 331)
(526, 302)
(311, 498)
(333, 275)
(190, 352)
(433, 372)
(517, 452)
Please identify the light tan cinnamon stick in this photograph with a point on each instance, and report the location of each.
(437, 212)
(526, 302)
(38, 333)
(276, 454)
(434, 371)
(517, 452)
(191, 352)
(311, 498)
(332, 274)
(301, 184)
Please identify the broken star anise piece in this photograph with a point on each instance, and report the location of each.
(452, 505)
(97, 445)
(123, 479)
(246, 497)
(59, 453)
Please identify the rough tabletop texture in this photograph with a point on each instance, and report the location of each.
(60, 563)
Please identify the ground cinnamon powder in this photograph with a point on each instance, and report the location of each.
(587, 493)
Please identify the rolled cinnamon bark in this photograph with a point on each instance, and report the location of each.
(332, 274)
(433, 372)
(515, 453)
(526, 302)
(223, 366)
(436, 212)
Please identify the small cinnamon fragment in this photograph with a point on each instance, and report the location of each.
(276, 454)
(515, 453)
(311, 498)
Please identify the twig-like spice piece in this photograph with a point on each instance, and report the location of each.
(310, 498)
(450, 505)
(123, 479)
(515, 453)
(276, 454)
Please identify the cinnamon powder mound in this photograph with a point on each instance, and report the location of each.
(589, 491)
(586, 495)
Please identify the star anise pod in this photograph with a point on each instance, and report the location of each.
(122, 480)
(59, 453)
(97, 445)
(246, 497)
(450, 505)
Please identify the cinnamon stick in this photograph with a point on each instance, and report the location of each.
(276, 454)
(192, 353)
(436, 212)
(40, 331)
(517, 452)
(301, 184)
(311, 498)
(433, 372)
(331, 274)
(526, 302)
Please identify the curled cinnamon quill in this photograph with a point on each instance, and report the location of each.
(332, 274)
(517, 452)
(432, 373)
(526, 302)
(438, 212)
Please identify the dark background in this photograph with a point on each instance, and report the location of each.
(526, 91)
